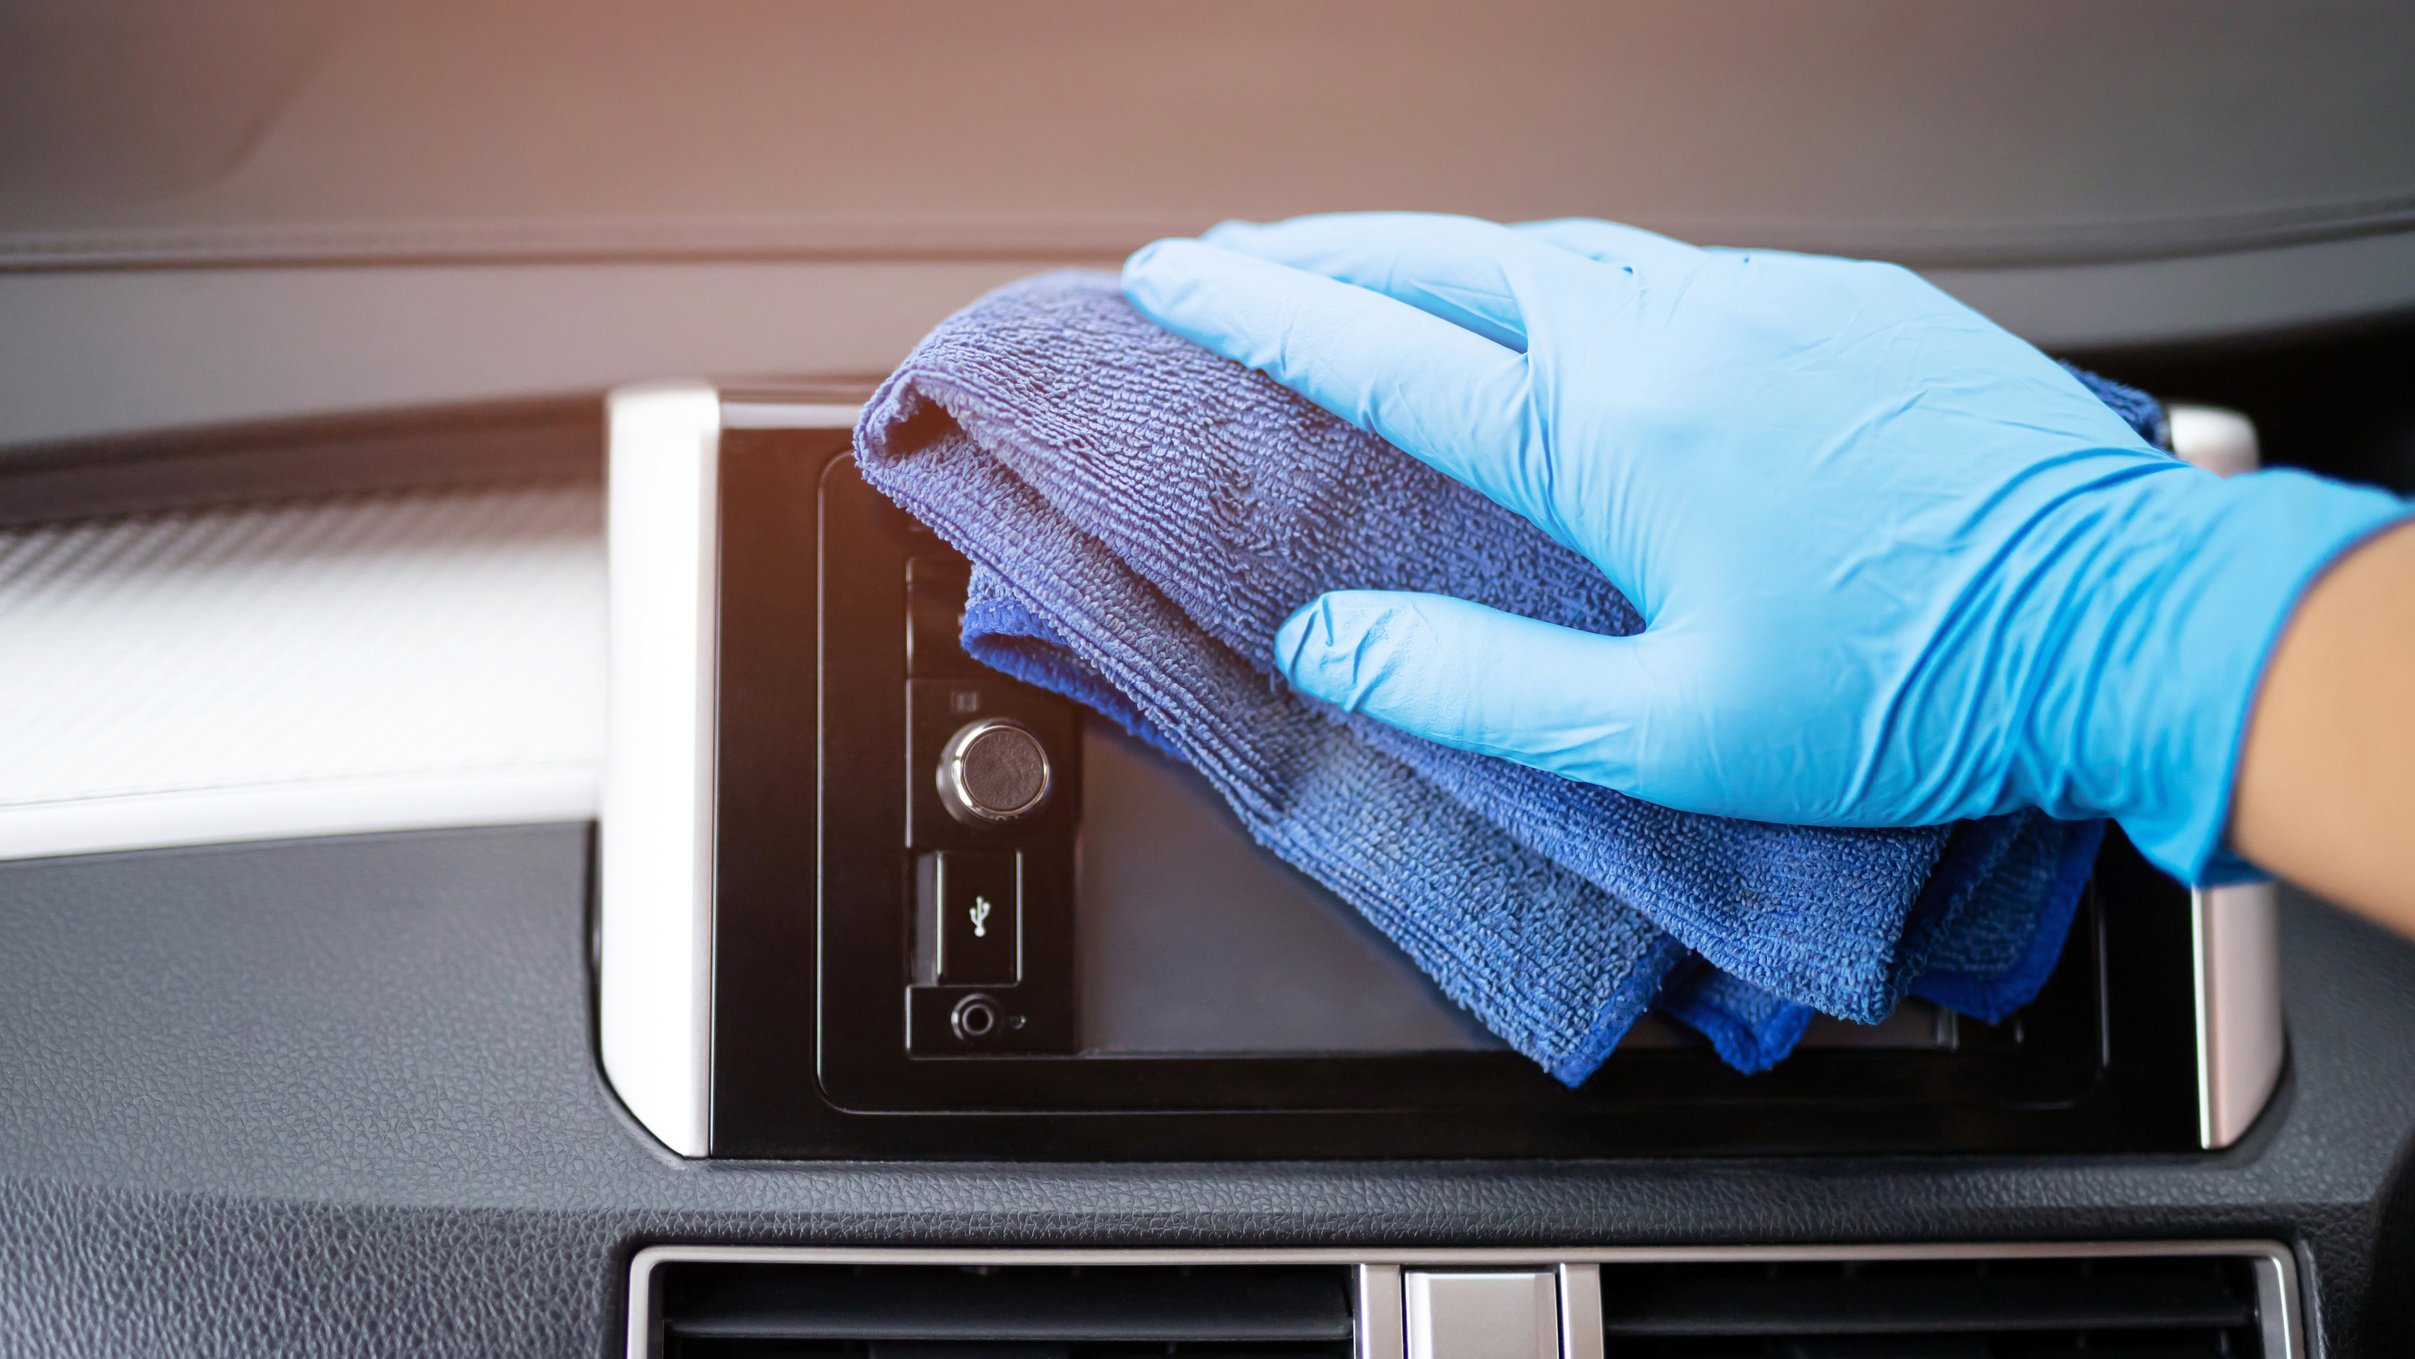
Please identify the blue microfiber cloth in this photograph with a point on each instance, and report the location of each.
(1141, 514)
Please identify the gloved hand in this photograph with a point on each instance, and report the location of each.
(1896, 567)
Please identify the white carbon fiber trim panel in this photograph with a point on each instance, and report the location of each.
(364, 663)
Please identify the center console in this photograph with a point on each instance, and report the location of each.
(862, 897)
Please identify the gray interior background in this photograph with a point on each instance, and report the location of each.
(226, 209)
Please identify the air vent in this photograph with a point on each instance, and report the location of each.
(2006, 1300)
(759, 1310)
(2102, 1307)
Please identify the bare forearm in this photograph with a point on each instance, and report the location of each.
(2326, 788)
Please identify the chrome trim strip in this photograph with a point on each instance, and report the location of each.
(2276, 1268)
(1581, 1311)
(2277, 1304)
(2201, 1018)
(1382, 1313)
(2235, 953)
(1453, 1313)
(2241, 1042)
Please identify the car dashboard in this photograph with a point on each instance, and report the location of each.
(482, 781)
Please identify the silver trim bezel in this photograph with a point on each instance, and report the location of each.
(1581, 1311)
(654, 913)
(1381, 1314)
(1379, 1293)
(2235, 952)
(1517, 1311)
(2242, 1042)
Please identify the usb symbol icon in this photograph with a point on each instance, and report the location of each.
(980, 915)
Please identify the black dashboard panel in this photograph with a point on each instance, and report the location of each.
(341, 1097)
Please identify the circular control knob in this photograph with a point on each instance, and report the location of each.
(994, 771)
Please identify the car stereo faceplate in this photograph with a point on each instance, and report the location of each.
(856, 900)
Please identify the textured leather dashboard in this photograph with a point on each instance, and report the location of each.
(340, 1097)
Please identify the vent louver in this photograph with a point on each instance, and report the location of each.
(2229, 1299)
(724, 1310)
(2148, 1307)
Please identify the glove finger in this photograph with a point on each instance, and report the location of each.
(1444, 395)
(1471, 273)
(1608, 242)
(1474, 678)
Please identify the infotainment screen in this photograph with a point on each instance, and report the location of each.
(954, 915)
(1191, 938)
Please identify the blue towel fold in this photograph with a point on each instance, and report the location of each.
(1141, 514)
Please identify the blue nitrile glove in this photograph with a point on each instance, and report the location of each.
(1896, 566)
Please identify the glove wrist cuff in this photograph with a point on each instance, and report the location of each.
(2240, 555)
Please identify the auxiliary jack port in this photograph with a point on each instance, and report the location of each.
(976, 1017)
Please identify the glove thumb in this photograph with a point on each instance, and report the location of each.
(1479, 679)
